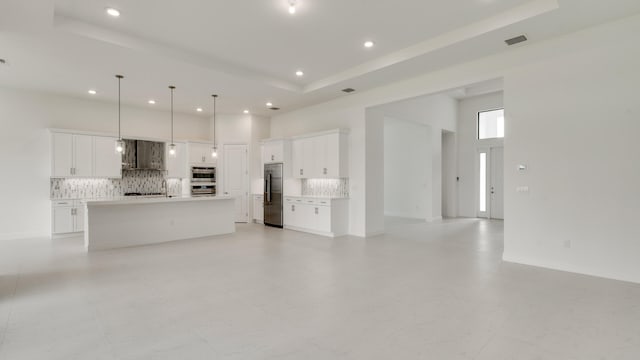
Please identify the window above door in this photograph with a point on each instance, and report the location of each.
(491, 124)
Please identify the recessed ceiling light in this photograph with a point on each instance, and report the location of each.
(269, 104)
(199, 110)
(292, 7)
(246, 111)
(299, 73)
(92, 92)
(369, 44)
(113, 12)
(152, 102)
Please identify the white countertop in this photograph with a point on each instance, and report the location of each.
(317, 197)
(128, 200)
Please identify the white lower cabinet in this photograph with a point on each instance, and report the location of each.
(67, 216)
(321, 216)
(258, 208)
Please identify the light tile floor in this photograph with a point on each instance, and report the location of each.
(423, 291)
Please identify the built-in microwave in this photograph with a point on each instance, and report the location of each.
(203, 174)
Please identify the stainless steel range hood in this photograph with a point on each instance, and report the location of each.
(143, 155)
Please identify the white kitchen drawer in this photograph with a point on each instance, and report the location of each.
(321, 216)
(67, 216)
(63, 202)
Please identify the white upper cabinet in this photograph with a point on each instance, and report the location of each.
(321, 156)
(200, 154)
(336, 156)
(74, 155)
(273, 151)
(62, 155)
(304, 159)
(107, 162)
(177, 165)
(83, 154)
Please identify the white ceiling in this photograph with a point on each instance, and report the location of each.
(248, 51)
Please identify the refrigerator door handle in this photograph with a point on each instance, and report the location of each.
(268, 188)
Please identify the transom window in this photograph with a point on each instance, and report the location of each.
(491, 124)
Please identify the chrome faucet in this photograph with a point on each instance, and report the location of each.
(165, 188)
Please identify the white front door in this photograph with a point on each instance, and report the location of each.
(491, 183)
(236, 178)
(496, 184)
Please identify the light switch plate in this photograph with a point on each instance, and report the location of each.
(522, 189)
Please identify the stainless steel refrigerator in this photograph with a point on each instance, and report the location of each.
(273, 195)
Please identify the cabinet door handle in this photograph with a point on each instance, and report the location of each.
(293, 208)
(324, 171)
(272, 157)
(316, 211)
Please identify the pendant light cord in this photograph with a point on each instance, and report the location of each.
(214, 120)
(172, 88)
(120, 77)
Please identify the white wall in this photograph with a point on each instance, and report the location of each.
(260, 129)
(437, 112)
(468, 144)
(579, 136)
(592, 76)
(25, 162)
(407, 169)
(243, 129)
(449, 175)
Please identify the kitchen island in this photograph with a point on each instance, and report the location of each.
(125, 222)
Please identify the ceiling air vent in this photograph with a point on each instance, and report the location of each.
(516, 40)
(348, 90)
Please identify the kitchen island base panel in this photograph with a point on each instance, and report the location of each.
(125, 224)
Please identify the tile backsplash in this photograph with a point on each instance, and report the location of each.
(132, 181)
(325, 187)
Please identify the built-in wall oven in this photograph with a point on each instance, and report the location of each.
(203, 174)
(203, 181)
(203, 189)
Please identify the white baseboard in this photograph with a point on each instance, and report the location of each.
(403, 215)
(559, 267)
(320, 233)
(375, 233)
(21, 236)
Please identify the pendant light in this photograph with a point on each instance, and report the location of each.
(214, 150)
(172, 146)
(120, 147)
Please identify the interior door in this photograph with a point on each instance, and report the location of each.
(496, 186)
(236, 178)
